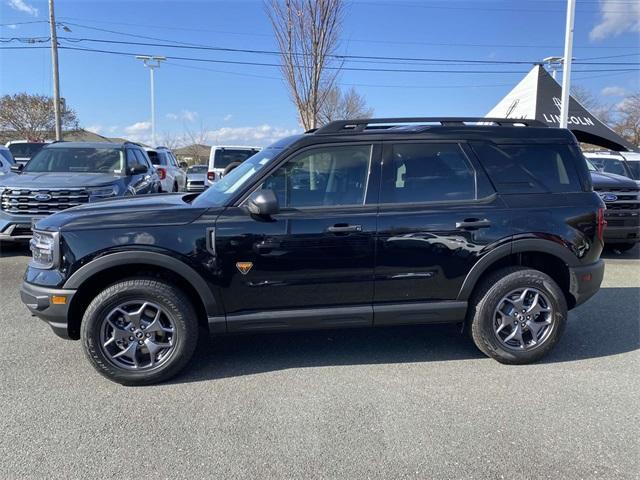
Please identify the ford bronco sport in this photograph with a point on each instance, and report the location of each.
(490, 223)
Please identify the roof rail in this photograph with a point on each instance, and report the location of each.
(359, 125)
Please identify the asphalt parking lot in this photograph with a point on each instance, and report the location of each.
(417, 402)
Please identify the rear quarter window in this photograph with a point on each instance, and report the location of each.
(530, 168)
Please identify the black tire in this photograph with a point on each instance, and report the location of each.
(488, 295)
(175, 187)
(622, 247)
(171, 299)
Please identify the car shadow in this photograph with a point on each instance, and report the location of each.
(598, 329)
(14, 249)
(611, 254)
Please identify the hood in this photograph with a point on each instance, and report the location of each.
(603, 180)
(59, 180)
(143, 211)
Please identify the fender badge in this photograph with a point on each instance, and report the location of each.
(244, 267)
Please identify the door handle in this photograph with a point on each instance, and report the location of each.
(473, 223)
(342, 228)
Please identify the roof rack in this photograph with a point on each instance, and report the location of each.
(359, 125)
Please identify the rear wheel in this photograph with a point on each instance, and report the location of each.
(175, 187)
(517, 315)
(139, 331)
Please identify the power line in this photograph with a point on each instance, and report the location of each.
(350, 58)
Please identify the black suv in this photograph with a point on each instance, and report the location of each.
(489, 223)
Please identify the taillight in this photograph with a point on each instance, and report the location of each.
(601, 223)
(162, 173)
(211, 176)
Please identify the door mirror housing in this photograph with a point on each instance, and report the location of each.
(138, 169)
(17, 168)
(263, 203)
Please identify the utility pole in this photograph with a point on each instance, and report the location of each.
(152, 62)
(54, 65)
(566, 74)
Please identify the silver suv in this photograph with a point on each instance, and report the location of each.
(172, 177)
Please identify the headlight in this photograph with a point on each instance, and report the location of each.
(103, 192)
(44, 249)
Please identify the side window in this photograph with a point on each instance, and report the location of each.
(142, 158)
(325, 176)
(427, 172)
(132, 160)
(530, 168)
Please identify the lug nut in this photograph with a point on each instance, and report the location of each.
(131, 328)
(143, 327)
(148, 335)
(130, 338)
(139, 342)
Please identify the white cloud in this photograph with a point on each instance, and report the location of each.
(185, 115)
(613, 91)
(11, 26)
(227, 117)
(616, 18)
(94, 128)
(23, 6)
(260, 135)
(138, 127)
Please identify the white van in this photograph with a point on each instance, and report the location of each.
(221, 157)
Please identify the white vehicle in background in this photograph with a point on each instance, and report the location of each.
(223, 157)
(172, 177)
(23, 150)
(6, 160)
(626, 164)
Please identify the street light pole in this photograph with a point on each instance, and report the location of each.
(566, 74)
(152, 62)
(56, 78)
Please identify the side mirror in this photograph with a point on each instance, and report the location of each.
(17, 168)
(263, 203)
(138, 169)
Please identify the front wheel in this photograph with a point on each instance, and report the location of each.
(517, 315)
(139, 331)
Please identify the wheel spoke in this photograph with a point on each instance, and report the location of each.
(130, 352)
(156, 326)
(516, 334)
(505, 321)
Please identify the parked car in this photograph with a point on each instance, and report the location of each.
(196, 178)
(67, 174)
(172, 176)
(6, 160)
(626, 164)
(221, 157)
(493, 226)
(621, 195)
(23, 150)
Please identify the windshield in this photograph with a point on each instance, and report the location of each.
(77, 160)
(218, 193)
(224, 156)
(197, 169)
(25, 150)
(591, 166)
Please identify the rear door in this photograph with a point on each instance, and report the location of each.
(438, 211)
(311, 265)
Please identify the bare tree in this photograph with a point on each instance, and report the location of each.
(307, 32)
(171, 141)
(32, 116)
(197, 140)
(339, 105)
(628, 118)
(604, 112)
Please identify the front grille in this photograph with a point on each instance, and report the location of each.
(627, 203)
(25, 201)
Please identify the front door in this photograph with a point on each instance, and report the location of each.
(311, 265)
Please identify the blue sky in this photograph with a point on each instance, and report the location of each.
(250, 104)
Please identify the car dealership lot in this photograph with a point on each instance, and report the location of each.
(415, 402)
